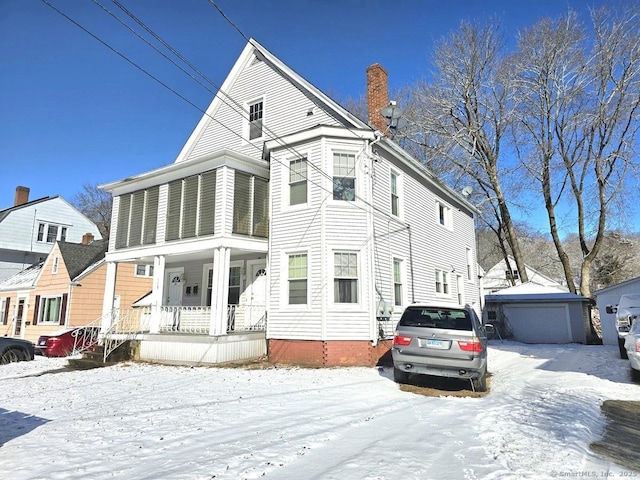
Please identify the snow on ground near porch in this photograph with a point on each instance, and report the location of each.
(142, 421)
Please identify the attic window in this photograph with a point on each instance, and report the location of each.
(255, 120)
(512, 275)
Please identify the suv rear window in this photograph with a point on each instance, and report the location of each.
(450, 319)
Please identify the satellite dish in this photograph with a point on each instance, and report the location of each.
(393, 113)
(468, 190)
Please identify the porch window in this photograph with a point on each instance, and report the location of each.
(137, 218)
(250, 205)
(442, 282)
(345, 273)
(191, 208)
(144, 271)
(298, 181)
(297, 279)
(397, 281)
(344, 176)
(255, 120)
(234, 285)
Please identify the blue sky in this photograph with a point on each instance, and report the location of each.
(75, 112)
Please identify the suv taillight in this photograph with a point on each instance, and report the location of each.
(401, 340)
(474, 346)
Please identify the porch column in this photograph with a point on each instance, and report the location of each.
(159, 263)
(109, 295)
(220, 291)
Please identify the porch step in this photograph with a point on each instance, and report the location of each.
(95, 358)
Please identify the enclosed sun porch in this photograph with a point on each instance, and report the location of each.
(200, 230)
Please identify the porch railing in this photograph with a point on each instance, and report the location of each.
(240, 318)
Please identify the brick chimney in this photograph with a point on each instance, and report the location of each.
(377, 96)
(22, 196)
(87, 238)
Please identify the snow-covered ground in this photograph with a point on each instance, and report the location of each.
(141, 421)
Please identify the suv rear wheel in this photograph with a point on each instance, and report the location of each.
(400, 376)
(623, 351)
(480, 384)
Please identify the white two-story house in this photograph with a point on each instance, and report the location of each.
(287, 227)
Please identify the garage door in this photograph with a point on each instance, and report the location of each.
(533, 323)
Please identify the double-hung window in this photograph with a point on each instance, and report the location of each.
(345, 277)
(298, 181)
(344, 176)
(49, 310)
(395, 195)
(443, 213)
(298, 279)
(442, 282)
(397, 281)
(48, 233)
(144, 271)
(255, 120)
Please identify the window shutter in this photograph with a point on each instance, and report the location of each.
(63, 309)
(242, 203)
(173, 210)
(207, 203)
(35, 310)
(6, 311)
(123, 221)
(151, 216)
(190, 207)
(135, 225)
(260, 207)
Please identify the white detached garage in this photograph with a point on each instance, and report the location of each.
(535, 314)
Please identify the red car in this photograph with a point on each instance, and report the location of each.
(62, 343)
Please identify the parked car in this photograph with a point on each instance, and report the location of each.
(627, 309)
(632, 348)
(62, 343)
(442, 341)
(15, 350)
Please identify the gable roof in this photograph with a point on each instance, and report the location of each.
(78, 257)
(626, 283)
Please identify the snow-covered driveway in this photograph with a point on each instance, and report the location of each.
(140, 421)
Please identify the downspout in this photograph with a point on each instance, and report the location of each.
(372, 274)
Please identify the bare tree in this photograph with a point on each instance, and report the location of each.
(576, 124)
(96, 205)
(459, 119)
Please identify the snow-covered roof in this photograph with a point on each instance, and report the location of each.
(24, 279)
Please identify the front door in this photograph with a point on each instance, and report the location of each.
(257, 292)
(20, 311)
(174, 287)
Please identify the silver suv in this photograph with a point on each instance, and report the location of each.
(442, 341)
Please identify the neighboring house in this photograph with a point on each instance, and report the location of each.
(532, 313)
(29, 229)
(65, 290)
(288, 226)
(499, 277)
(610, 296)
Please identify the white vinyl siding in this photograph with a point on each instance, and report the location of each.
(285, 109)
